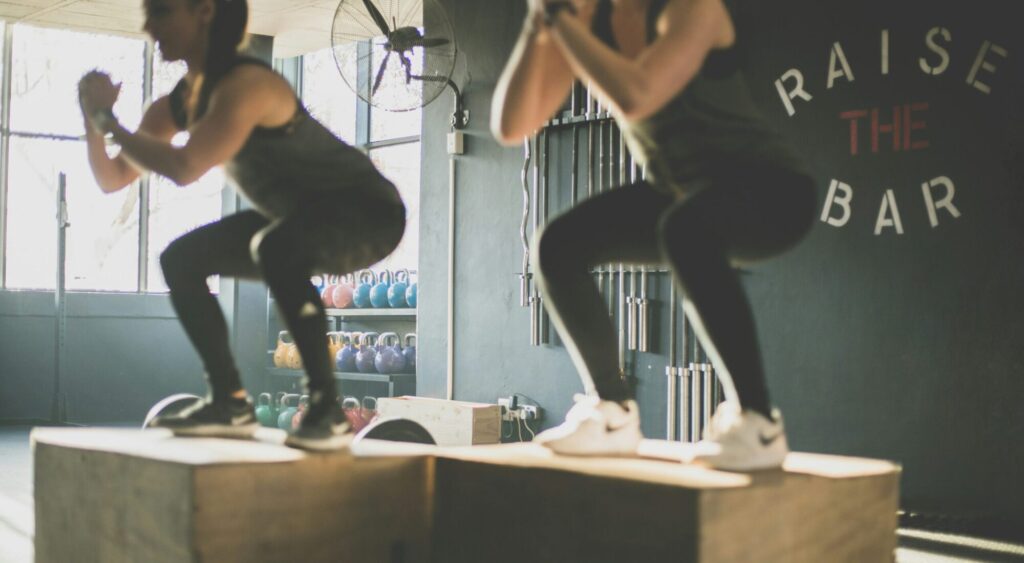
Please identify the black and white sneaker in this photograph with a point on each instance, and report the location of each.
(223, 419)
(324, 428)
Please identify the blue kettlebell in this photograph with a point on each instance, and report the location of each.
(389, 356)
(345, 359)
(361, 296)
(396, 293)
(367, 353)
(379, 293)
(410, 353)
(411, 295)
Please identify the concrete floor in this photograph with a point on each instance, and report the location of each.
(17, 523)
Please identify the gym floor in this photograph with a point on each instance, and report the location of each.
(17, 523)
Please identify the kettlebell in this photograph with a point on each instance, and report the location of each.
(334, 344)
(284, 340)
(350, 406)
(389, 357)
(409, 352)
(293, 359)
(345, 359)
(396, 293)
(361, 296)
(327, 292)
(411, 295)
(342, 293)
(284, 419)
(367, 353)
(264, 410)
(318, 282)
(369, 410)
(297, 417)
(379, 293)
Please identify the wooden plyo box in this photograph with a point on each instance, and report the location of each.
(111, 496)
(451, 423)
(516, 503)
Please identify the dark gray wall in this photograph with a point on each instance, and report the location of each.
(900, 347)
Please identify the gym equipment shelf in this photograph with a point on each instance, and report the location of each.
(397, 383)
(372, 313)
(348, 376)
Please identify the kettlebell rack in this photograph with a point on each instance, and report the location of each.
(389, 384)
(599, 160)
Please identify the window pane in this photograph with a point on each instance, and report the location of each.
(326, 95)
(102, 240)
(386, 124)
(166, 76)
(46, 66)
(401, 165)
(174, 211)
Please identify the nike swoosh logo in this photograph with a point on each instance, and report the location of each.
(766, 440)
(615, 427)
(239, 419)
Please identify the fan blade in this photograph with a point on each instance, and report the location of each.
(408, 67)
(377, 17)
(380, 73)
(433, 41)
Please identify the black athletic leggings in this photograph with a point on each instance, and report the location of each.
(334, 235)
(745, 215)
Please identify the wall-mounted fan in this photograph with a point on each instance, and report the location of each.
(410, 55)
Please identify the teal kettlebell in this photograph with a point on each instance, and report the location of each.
(361, 296)
(265, 410)
(379, 293)
(284, 419)
(396, 293)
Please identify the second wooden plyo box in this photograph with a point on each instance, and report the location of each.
(451, 423)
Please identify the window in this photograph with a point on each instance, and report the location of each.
(45, 124)
(175, 210)
(44, 139)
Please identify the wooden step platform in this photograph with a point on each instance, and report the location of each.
(111, 496)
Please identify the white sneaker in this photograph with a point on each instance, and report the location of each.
(594, 427)
(743, 441)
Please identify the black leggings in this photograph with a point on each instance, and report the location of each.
(332, 236)
(744, 216)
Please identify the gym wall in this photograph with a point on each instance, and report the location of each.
(884, 337)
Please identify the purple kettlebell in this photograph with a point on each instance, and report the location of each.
(345, 359)
(409, 352)
(389, 354)
(367, 353)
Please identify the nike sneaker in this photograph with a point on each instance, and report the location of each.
(222, 419)
(324, 428)
(594, 427)
(742, 440)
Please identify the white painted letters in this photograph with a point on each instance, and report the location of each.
(888, 205)
(946, 202)
(798, 91)
(938, 49)
(980, 62)
(833, 72)
(843, 202)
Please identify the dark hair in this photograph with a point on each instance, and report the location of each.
(226, 37)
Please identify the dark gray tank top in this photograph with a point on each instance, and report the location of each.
(298, 164)
(712, 124)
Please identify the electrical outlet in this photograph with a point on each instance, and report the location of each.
(529, 412)
(506, 409)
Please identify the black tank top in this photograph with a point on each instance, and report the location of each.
(711, 125)
(300, 163)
